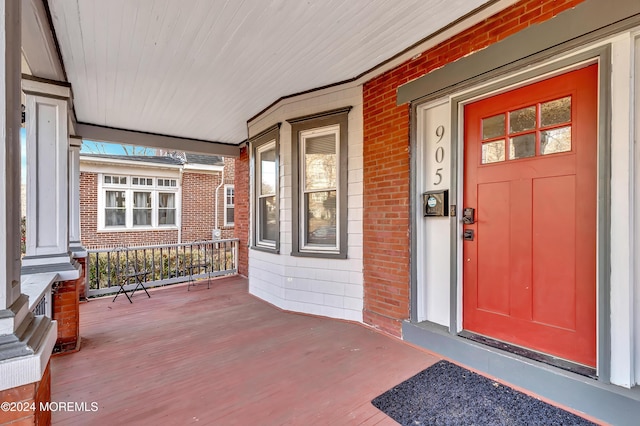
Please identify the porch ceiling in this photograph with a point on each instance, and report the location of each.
(202, 71)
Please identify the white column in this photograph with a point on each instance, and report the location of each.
(75, 143)
(9, 155)
(622, 260)
(24, 355)
(47, 105)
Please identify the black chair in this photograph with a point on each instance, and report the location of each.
(132, 273)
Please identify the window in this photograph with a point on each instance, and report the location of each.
(137, 202)
(319, 184)
(229, 197)
(142, 209)
(266, 216)
(541, 129)
(115, 209)
(166, 208)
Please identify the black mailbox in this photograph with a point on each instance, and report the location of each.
(436, 203)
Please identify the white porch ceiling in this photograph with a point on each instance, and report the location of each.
(200, 69)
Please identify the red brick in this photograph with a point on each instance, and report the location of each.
(32, 394)
(242, 210)
(386, 159)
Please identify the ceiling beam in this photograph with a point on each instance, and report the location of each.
(152, 140)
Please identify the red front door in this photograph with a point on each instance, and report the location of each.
(530, 174)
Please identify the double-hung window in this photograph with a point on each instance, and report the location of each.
(319, 184)
(229, 205)
(137, 202)
(266, 223)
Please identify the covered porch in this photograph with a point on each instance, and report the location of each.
(222, 356)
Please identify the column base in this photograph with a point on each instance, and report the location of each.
(64, 265)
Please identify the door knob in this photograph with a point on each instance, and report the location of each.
(468, 216)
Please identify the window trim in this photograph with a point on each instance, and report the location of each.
(257, 143)
(130, 189)
(300, 125)
(227, 206)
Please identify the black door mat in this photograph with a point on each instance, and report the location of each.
(446, 394)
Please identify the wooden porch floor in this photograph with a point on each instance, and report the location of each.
(222, 356)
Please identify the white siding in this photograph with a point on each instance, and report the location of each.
(328, 287)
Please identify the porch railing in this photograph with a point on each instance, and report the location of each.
(165, 264)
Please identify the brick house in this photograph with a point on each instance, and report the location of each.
(186, 197)
(474, 192)
(470, 210)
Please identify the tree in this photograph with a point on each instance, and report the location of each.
(94, 147)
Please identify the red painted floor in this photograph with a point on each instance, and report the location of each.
(221, 356)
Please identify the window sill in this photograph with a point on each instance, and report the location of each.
(138, 229)
(319, 254)
(273, 250)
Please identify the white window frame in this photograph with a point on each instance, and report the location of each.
(322, 131)
(334, 121)
(228, 187)
(267, 140)
(129, 189)
(268, 146)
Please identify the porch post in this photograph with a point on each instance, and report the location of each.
(26, 340)
(75, 244)
(9, 162)
(47, 222)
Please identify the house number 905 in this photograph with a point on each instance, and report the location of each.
(439, 154)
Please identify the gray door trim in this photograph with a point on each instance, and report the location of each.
(587, 22)
(603, 56)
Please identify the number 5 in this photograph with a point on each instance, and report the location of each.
(439, 176)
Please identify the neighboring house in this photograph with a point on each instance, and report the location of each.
(149, 200)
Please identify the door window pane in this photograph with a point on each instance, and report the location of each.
(555, 140)
(556, 112)
(492, 152)
(493, 127)
(522, 146)
(321, 218)
(522, 120)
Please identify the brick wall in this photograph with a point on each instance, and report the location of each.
(30, 395)
(198, 199)
(82, 288)
(242, 210)
(198, 213)
(43, 395)
(386, 159)
(90, 236)
(66, 310)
